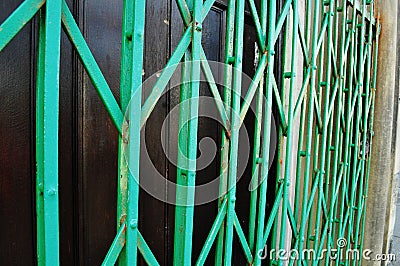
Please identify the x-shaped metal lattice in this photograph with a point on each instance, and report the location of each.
(325, 113)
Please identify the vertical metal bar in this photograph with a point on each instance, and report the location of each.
(357, 138)
(324, 137)
(235, 118)
(229, 39)
(267, 129)
(290, 115)
(50, 130)
(39, 141)
(309, 134)
(186, 177)
(351, 94)
(182, 167)
(255, 177)
(125, 96)
(338, 135)
(135, 34)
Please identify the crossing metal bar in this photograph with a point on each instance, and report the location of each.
(91, 67)
(17, 20)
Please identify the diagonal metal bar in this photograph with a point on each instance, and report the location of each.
(185, 12)
(303, 91)
(272, 215)
(116, 247)
(212, 235)
(303, 44)
(207, 5)
(214, 90)
(253, 88)
(165, 76)
(257, 24)
(242, 239)
(280, 106)
(92, 67)
(145, 251)
(282, 18)
(17, 20)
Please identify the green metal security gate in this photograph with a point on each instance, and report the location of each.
(321, 90)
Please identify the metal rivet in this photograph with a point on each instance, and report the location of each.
(51, 192)
(133, 224)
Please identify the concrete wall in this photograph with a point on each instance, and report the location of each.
(380, 207)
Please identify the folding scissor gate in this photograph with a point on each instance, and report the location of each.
(322, 89)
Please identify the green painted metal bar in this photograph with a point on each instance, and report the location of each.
(145, 251)
(186, 174)
(368, 15)
(303, 91)
(303, 43)
(214, 90)
(242, 239)
(257, 142)
(182, 166)
(357, 164)
(125, 96)
(338, 137)
(234, 144)
(272, 215)
(255, 166)
(349, 131)
(327, 26)
(116, 247)
(267, 131)
(207, 5)
(138, 8)
(225, 145)
(212, 235)
(281, 132)
(165, 76)
(40, 142)
(257, 24)
(292, 222)
(185, 12)
(50, 130)
(254, 86)
(17, 20)
(92, 67)
(289, 140)
(282, 18)
(309, 127)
